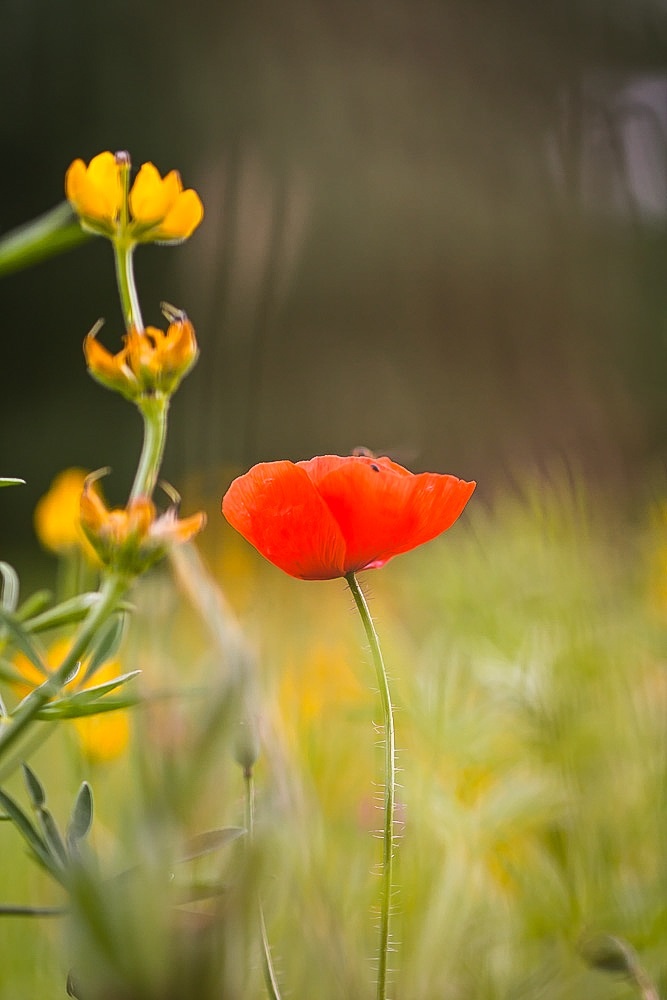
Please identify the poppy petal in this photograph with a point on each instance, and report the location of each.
(383, 512)
(277, 508)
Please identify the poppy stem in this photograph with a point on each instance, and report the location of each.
(389, 781)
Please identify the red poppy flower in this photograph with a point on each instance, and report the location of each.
(331, 516)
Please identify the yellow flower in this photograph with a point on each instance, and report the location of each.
(57, 522)
(133, 538)
(157, 209)
(105, 736)
(151, 360)
(102, 737)
(161, 210)
(95, 192)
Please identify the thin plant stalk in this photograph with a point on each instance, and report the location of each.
(124, 256)
(154, 410)
(389, 782)
(270, 977)
(124, 260)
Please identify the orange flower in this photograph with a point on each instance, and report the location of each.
(157, 209)
(331, 516)
(151, 361)
(133, 538)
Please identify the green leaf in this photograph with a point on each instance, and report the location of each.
(63, 710)
(82, 815)
(52, 835)
(52, 233)
(98, 691)
(34, 786)
(72, 610)
(33, 605)
(80, 703)
(9, 481)
(32, 838)
(10, 587)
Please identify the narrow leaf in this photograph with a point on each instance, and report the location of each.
(33, 605)
(68, 612)
(28, 832)
(98, 691)
(10, 481)
(64, 710)
(35, 788)
(82, 814)
(52, 835)
(10, 587)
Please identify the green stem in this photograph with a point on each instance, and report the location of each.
(50, 234)
(112, 590)
(154, 410)
(269, 972)
(127, 289)
(123, 248)
(389, 782)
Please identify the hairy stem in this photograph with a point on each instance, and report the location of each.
(389, 782)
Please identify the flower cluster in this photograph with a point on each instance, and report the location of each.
(151, 360)
(154, 210)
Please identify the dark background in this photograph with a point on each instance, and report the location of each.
(424, 233)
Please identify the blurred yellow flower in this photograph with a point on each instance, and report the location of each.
(151, 361)
(157, 209)
(101, 737)
(319, 683)
(57, 521)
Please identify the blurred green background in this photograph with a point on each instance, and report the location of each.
(433, 228)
